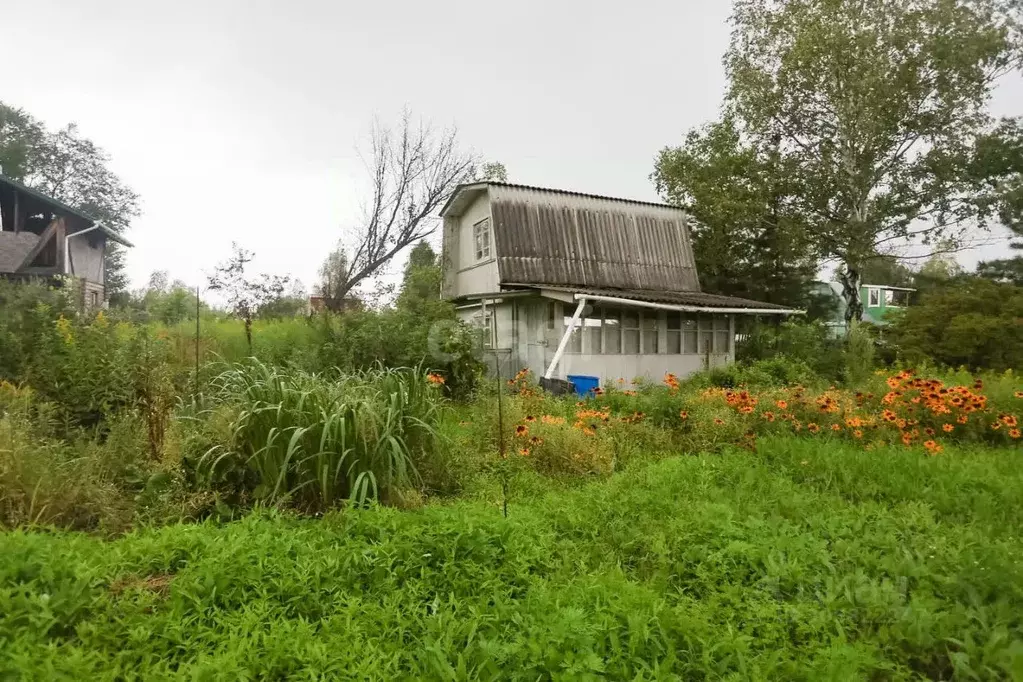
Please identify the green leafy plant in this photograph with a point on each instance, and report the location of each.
(315, 441)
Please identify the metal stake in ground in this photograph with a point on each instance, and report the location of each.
(500, 432)
(197, 306)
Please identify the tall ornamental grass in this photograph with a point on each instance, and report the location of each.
(316, 440)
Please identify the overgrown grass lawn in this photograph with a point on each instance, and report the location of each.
(790, 563)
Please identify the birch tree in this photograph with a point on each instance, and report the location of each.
(878, 106)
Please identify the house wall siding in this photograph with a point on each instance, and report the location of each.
(87, 257)
(526, 341)
(472, 277)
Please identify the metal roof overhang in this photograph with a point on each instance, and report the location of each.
(462, 198)
(702, 303)
(688, 308)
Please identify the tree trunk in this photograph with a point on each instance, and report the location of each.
(850, 280)
(248, 333)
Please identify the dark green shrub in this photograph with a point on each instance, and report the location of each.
(28, 311)
(781, 370)
(811, 343)
(399, 337)
(972, 322)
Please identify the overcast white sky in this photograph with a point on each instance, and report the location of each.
(239, 120)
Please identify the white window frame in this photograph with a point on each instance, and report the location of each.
(609, 332)
(484, 320)
(482, 241)
(575, 339)
(873, 297)
(646, 334)
(635, 332)
(891, 296)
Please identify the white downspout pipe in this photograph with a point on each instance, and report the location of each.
(564, 337)
(67, 241)
(687, 308)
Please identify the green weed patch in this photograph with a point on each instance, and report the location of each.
(791, 562)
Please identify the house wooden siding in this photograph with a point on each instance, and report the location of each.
(463, 274)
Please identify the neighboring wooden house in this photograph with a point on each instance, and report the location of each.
(43, 237)
(878, 300)
(577, 284)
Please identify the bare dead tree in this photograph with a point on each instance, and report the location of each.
(414, 169)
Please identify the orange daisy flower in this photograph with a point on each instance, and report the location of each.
(1015, 433)
(530, 418)
(683, 414)
(782, 405)
(813, 428)
(962, 419)
(857, 433)
(948, 428)
(521, 431)
(1008, 419)
(836, 427)
(524, 452)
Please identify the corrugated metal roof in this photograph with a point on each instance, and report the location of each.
(695, 298)
(550, 237)
(14, 249)
(453, 200)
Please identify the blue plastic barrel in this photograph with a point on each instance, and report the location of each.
(584, 385)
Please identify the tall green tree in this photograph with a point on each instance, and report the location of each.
(73, 169)
(878, 107)
(420, 286)
(749, 238)
(21, 136)
(1000, 163)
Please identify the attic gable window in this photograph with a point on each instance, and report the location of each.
(481, 239)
